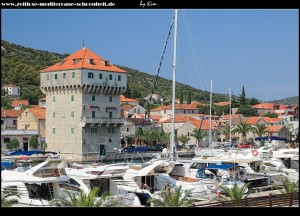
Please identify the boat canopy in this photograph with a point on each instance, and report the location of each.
(270, 138)
(221, 166)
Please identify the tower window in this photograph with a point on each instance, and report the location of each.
(72, 97)
(110, 98)
(110, 114)
(53, 114)
(53, 98)
(93, 130)
(93, 98)
(53, 130)
(91, 75)
(47, 77)
(119, 77)
(111, 130)
(73, 74)
(72, 114)
(55, 76)
(64, 75)
(110, 76)
(100, 76)
(72, 130)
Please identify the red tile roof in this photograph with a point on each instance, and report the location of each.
(225, 103)
(271, 120)
(10, 85)
(11, 113)
(138, 121)
(192, 106)
(252, 120)
(38, 112)
(81, 60)
(125, 99)
(16, 103)
(275, 128)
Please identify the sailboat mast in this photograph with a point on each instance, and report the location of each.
(172, 144)
(229, 115)
(210, 104)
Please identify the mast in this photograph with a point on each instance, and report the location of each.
(210, 104)
(229, 115)
(172, 144)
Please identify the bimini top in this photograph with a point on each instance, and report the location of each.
(221, 166)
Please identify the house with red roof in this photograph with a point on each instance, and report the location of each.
(18, 104)
(11, 90)
(9, 119)
(34, 119)
(129, 110)
(125, 100)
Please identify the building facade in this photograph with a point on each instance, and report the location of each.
(83, 105)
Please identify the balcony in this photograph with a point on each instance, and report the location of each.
(100, 121)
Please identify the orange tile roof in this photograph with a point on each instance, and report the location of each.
(80, 60)
(233, 116)
(275, 128)
(10, 85)
(15, 103)
(155, 117)
(127, 107)
(38, 112)
(265, 106)
(271, 120)
(225, 103)
(125, 99)
(252, 120)
(11, 113)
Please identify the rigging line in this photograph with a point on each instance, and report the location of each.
(195, 53)
(156, 77)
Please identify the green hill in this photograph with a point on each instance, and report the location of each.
(287, 101)
(21, 66)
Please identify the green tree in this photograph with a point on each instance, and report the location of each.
(243, 128)
(271, 115)
(204, 109)
(226, 131)
(149, 136)
(6, 103)
(199, 134)
(44, 146)
(243, 100)
(290, 187)
(181, 97)
(13, 144)
(189, 99)
(84, 200)
(260, 129)
(178, 198)
(183, 139)
(165, 138)
(34, 141)
(234, 193)
(247, 111)
(253, 101)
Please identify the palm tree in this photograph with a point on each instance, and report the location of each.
(199, 134)
(243, 128)
(226, 131)
(148, 136)
(259, 129)
(235, 193)
(6, 201)
(177, 198)
(184, 139)
(290, 187)
(87, 200)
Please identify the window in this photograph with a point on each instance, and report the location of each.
(55, 76)
(90, 75)
(100, 76)
(53, 130)
(26, 113)
(6, 140)
(53, 98)
(119, 77)
(93, 98)
(72, 130)
(93, 130)
(47, 77)
(93, 114)
(110, 76)
(110, 98)
(53, 114)
(64, 75)
(73, 74)
(110, 114)
(72, 114)
(2, 122)
(111, 130)
(72, 97)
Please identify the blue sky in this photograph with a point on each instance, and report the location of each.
(257, 49)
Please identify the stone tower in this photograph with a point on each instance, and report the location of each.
(83, 115)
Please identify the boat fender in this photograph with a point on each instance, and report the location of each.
(254, 152)
(263, 168)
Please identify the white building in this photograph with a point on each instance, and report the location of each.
(11, 90)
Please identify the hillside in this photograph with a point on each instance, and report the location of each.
(287, 101)
(20, 66)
